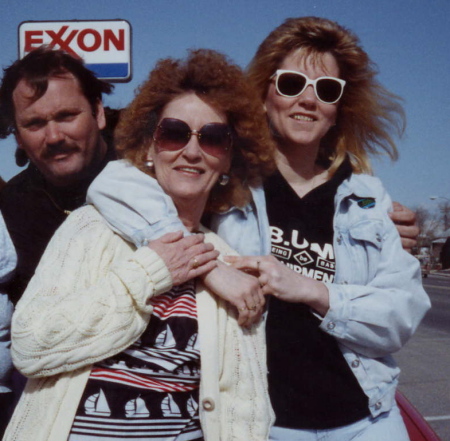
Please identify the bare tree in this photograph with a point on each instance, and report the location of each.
(429, 225)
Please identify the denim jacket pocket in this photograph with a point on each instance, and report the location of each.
(366, 238)
(368, 231)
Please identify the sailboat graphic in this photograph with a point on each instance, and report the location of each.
(136, 408)
(192, 406)
(169, 407)
(165, 339)
(192, 343)
(96, 404)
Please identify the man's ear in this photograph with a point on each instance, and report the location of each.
(100, 115)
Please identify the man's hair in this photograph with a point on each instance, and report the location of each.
(367, 112)
(222, 85)
(36, 69)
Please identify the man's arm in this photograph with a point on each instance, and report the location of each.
(405, 221)
(133, 203)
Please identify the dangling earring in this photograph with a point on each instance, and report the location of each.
(224, 179)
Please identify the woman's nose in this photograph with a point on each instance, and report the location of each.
(308, 96)
(192, 148)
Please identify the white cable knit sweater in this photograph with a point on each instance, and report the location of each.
(88, 301)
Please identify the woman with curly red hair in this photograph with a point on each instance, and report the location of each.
(125, 341)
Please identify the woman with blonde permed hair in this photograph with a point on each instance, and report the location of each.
(344, 295)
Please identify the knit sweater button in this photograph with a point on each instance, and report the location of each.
(208, 404)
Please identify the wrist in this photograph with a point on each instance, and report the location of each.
(209, 278)
(318, 296)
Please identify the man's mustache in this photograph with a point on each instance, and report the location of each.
(52, 150)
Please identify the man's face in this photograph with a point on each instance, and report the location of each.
(59, 132)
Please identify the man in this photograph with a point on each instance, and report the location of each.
(53, 106)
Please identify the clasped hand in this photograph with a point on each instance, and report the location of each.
(185, 257)
(280, 281)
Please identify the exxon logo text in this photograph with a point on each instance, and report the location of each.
(87, 40)
(104, 45)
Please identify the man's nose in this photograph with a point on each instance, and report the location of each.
(53, 133)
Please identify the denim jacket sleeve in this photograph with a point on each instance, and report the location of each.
(136, 207)
(8, 261)
(376, 300)
(133, 203)
(8, 257)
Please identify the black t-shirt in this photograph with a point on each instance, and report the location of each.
(311, 385)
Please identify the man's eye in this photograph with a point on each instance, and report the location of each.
(35, 124)
(66, 117)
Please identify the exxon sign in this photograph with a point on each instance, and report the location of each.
(104, 45)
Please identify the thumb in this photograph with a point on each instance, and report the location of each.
(172, 237)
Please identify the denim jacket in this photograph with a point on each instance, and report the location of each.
(376, 300)
(8, 261)
(135, 206)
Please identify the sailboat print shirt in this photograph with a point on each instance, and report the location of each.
(150, 390)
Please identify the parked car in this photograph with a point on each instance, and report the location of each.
(418, 428)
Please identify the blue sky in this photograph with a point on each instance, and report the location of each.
(409, 40)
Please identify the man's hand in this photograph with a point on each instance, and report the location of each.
(405, 221)
(185, 257)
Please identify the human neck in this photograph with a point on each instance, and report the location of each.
(87, 174)
(190, 214)
(298, 165)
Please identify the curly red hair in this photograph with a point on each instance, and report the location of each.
(222, 85)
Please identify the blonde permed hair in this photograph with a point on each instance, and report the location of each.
(222, 85)
(368, 114)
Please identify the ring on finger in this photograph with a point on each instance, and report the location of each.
(252, 308)
(242, 309)
(195, 263)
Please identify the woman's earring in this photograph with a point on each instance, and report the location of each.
(224, 179)
(149, 163)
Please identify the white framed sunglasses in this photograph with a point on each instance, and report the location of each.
(291, 83)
